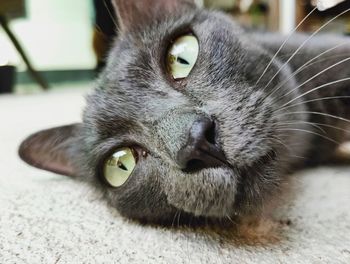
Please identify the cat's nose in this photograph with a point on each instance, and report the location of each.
(201, 150)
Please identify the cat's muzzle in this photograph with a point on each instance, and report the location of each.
(201, 150)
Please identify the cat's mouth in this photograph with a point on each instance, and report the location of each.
(219, 191)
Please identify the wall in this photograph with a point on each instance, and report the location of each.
(56, 35)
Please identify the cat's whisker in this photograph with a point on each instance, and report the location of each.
(314, 100)
(334, 127)
(288, 147)
(175, 215)
(283, 44)
(206, 221)
(196, 207)
(295, 144)
(279, 141)
(315, 113)
(275, 138)
(190, 220)
(310, 132)
(316, 88)
(178, 219)
(286, 55)
(303, 44)
(303, 122)
(264, 178)
(327, 125)
(305, 66)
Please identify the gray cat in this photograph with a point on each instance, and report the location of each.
(195, 115)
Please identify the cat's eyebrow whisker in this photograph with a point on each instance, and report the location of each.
(303, 44)
(316, 88)
(306, 65)
(315, 113)
(98, 28)
(310, 132)
(110, 14)
(230, 219)
(283, 44)
(314, 100)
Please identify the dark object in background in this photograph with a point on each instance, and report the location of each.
(7, 78)
(13, 8)
(106, 28)
(331, 12)
(320, 17)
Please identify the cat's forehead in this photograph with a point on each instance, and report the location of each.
(135, 87)
(150, 41)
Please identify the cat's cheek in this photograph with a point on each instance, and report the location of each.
(209, 192)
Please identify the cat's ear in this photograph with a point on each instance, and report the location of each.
(135, 13)
(51, 149)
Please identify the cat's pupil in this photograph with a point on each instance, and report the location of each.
(182, 61)
(122, 166)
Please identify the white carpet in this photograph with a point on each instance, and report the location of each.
(47, 218)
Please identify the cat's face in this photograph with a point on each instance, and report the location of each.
(205, 143)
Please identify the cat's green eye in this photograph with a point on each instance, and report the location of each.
(119, 167)
(182, 56)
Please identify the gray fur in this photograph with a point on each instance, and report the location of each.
(135, 103)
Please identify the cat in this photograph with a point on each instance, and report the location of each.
(195, 115)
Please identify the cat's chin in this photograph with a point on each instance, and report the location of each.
(210, 192)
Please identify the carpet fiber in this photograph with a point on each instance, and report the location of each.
(48, 218)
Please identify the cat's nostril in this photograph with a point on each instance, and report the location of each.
(194, 165)
(201, 150)
(210, 134)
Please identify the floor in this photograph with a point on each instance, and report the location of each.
(48, 218)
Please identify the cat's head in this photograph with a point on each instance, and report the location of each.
(179, 120)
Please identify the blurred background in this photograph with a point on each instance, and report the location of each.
(61, 44)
